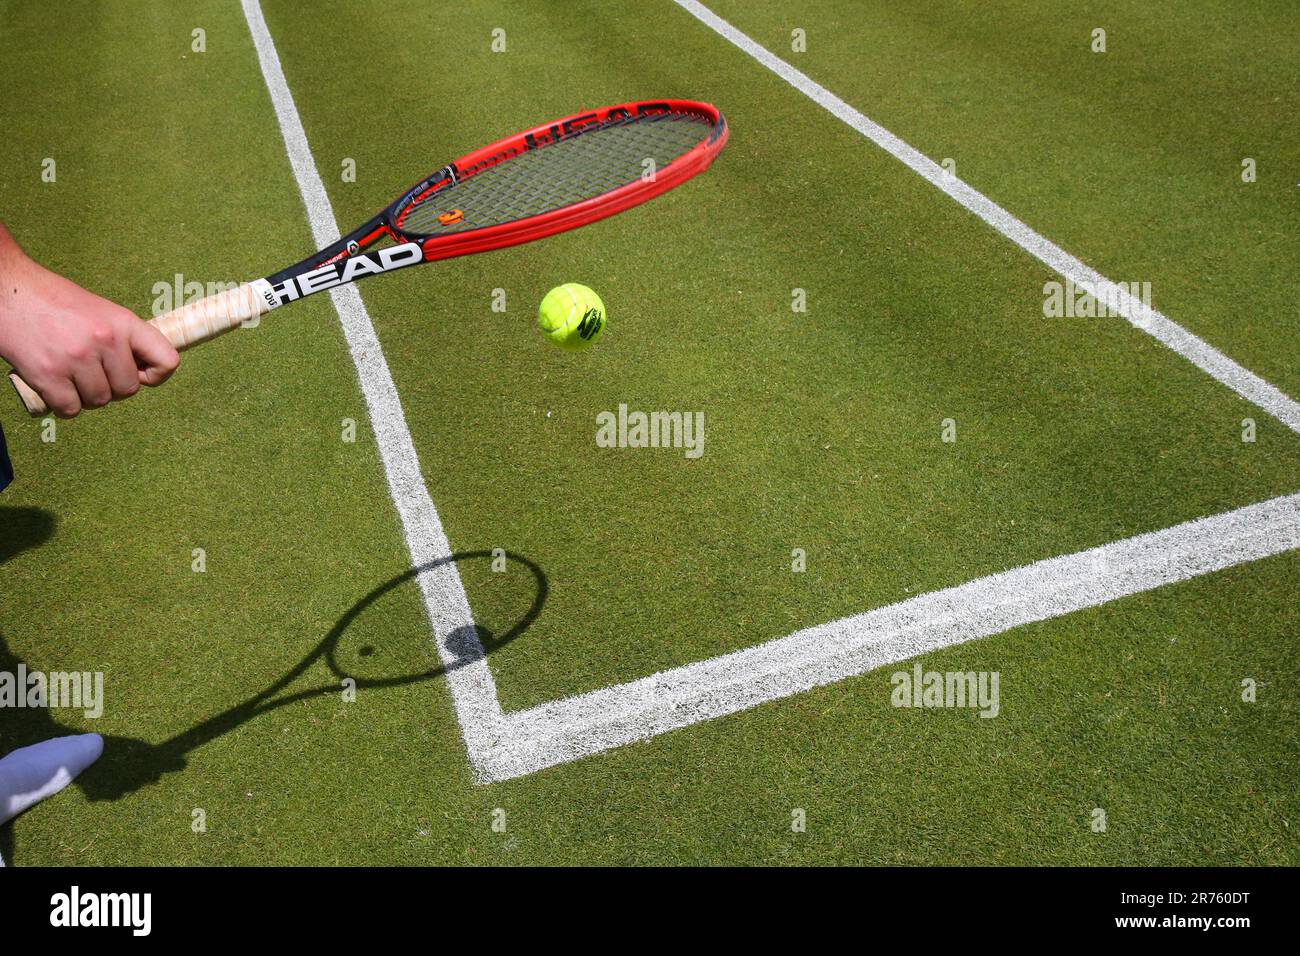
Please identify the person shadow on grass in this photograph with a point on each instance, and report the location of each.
(38, 755)
(129, 763)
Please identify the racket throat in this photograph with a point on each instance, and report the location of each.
(282, 288)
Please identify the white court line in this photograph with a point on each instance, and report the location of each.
(501, 746)
(473, 690)
(1197, 351)
(564, 730)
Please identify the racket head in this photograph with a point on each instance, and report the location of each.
(558, 176)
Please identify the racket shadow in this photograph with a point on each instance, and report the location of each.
(129, 763)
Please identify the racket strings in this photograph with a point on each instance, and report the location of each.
(579, 167)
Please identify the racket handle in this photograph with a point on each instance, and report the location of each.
(34, 403)
(185, 327)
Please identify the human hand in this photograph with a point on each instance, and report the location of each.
(76, 349)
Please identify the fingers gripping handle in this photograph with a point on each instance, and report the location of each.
(188, 326)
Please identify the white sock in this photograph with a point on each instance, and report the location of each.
(30, 774)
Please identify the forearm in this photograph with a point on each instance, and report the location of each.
(9, 248)
(14, 268)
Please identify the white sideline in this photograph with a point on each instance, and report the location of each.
(473, 690)
(1197, 351)
(564, 730)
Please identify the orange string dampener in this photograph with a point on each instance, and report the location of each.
(447, 218)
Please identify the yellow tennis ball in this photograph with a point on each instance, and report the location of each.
(572, 316)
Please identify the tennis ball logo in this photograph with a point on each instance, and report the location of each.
(572, 316)
(591, 324)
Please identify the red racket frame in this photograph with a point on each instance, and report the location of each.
(691, 163)
(388, 223)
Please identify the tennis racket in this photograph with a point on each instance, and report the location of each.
(546, 180)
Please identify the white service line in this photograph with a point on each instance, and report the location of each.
(1196, 350)
(472, 688)
(564, 730)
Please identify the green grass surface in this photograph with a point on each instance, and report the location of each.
(822, 433)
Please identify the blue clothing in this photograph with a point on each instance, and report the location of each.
(6, 469)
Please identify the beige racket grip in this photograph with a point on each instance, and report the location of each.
(189, 325)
